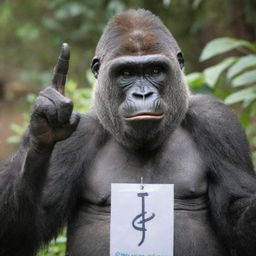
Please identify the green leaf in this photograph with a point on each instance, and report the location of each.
(90, 77)
(224, 44)
(196, 4)
(166, 2)
(245, 94)
(247, 103)
(254, 158)
(242, 64)
(253, 111)
(70, 10)
(245, 79)
(16, 128)
(28, 31)
(6, 13)
(30, 98)
(195, 79)
(13, 139)
(244, 119)
(51, 24)
(213, 73)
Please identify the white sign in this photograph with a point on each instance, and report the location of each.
(141, 220)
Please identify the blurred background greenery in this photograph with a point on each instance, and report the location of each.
(217, 38)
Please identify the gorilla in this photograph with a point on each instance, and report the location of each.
(143, 122)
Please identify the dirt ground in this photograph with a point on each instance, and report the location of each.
(8, 114)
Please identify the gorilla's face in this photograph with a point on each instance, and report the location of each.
(140, 100)
(141, 96)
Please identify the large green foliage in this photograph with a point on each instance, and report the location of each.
(233, 79)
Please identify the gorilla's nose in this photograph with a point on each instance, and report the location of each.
(142, 95)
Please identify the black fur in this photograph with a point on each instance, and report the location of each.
(232, 183)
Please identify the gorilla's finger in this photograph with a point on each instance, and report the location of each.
(61, 69)
(63, 105)
(74, 120)
(65, 111)
(69, 128)
(43, 107)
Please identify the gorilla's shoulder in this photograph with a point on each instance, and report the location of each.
(207, 114)
(216, 130)
(208, 110)
(89, 124)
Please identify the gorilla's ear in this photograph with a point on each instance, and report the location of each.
(95, 66)
(180, 59)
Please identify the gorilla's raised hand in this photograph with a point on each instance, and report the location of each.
(52, 118)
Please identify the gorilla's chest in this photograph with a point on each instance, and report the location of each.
(178, 162)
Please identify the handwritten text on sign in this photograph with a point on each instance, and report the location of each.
(141, 220)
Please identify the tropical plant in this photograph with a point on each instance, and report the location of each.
(233, 79)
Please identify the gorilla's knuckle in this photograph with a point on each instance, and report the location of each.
(39, 103)
(47, 92)
(66, 102)
(66, 106)
(44, 106)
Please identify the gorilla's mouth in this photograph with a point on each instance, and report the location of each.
(145, 116)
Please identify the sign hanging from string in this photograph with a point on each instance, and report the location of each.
(142, 219)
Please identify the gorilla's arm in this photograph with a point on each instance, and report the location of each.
(38, 197)
(21, 180)
(70, 159)
(232, 181)
(23, 176)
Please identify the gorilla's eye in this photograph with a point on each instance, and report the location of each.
(126, 73)
(155, 71)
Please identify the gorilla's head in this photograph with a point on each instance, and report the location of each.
(140, 96)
